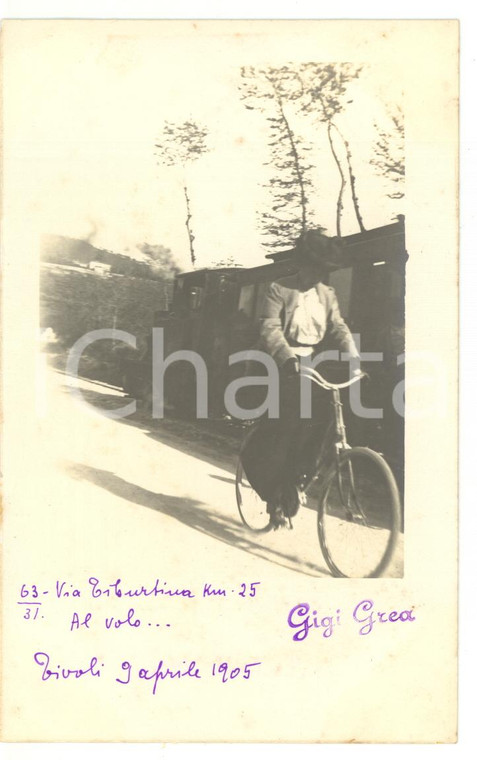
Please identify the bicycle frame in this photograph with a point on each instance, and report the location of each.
(335, 440)
(335, 435)
(351, 489)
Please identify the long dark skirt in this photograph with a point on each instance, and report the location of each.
(282, 451)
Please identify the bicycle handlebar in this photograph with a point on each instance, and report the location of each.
(319, 380)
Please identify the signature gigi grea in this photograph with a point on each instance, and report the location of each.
(303, 619)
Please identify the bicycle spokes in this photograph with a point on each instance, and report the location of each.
(349, 496)
(252, 509)
(359, 515)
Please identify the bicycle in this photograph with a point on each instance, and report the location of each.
(353, 491)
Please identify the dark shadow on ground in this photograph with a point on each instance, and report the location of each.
(200, 438)
(221, 478)
(101, 383)
(195, 515)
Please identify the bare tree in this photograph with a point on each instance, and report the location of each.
(272, 91)
(180, 145)
(389, 152)
(324, 92)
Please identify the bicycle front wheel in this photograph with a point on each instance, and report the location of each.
(252, 509)
(359, 515)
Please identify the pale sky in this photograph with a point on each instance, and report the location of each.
(89, 102)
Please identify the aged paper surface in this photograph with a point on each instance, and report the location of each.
(90, 499)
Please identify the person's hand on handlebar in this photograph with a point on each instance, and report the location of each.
(360, 373)
(291, 367)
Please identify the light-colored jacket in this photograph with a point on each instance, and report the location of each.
(279, 304)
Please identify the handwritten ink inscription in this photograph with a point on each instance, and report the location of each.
(126, 602)
(304, 620)
(32, 599)
(95, 589)
(223, 672)
(117, 605)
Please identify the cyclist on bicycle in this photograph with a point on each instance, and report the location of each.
(298, 312)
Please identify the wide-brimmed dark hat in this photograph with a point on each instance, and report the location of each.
(315, 247)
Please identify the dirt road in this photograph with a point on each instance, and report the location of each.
(167, 477)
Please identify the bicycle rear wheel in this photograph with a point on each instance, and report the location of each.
(252, 509)
(359, 515)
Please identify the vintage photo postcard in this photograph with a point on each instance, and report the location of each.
(229, 331)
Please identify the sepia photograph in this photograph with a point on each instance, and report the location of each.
(219, 244)
(258, 219)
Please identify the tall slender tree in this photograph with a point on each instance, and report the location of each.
(324, 94)
(389, 152)
(179, 145)
(273, 91)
